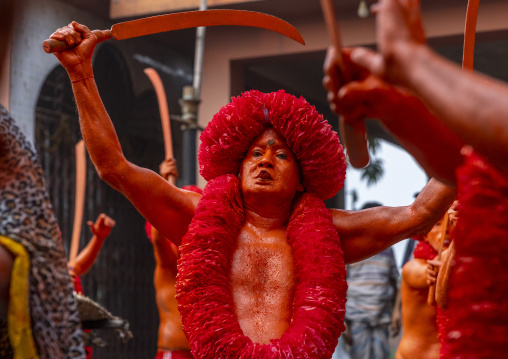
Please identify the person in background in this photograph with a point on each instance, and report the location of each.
(438, 274)
(372, 287)
(420, 337)
(86, 258)
(38, 312)
(171, 342)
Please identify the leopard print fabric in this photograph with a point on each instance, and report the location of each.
(26, 216)
(5, 348)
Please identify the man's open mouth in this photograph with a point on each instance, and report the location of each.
(264, 175)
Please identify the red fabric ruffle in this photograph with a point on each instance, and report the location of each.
(443, 322)
(478, 292)
(424, 250)
(228, 136)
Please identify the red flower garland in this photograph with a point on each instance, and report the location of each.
(442, 321)
(424, 250)
(203, 289)
(478, 291)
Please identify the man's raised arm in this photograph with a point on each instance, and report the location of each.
(168, 208)
(418, 130)
(369, 231)
(473, 106)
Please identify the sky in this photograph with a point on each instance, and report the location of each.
(402, 178)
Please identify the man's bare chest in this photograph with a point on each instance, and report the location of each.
(262, 264)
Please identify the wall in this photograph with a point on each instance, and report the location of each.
(35, 21)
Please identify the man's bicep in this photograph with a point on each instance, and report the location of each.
(166, 207)
(367, 232)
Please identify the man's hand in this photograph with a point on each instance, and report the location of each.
(102, 226)
(433, 267)
(334, 79)
(399, 31)
(365, 95)
(78, 59)
(168, 168)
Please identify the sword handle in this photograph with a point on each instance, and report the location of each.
(355, 141)
(53, 45)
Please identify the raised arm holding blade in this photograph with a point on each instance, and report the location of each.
(183, 20)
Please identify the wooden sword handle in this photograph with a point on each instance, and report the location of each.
(53, 45)
(355, 141)
(353, 132)
(164, 113)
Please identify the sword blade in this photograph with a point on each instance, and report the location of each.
(191, 19)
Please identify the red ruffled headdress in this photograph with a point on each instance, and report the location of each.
(226, 139)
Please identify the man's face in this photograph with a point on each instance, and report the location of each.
(270, 166)
(434, 236)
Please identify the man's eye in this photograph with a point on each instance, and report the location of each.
(282, 155)
(256, 153)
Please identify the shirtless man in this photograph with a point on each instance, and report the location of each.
(460, 138)
(438, 274)
(281, 181)
(420, 338)
(438, 270)
(171, 342)
(86, 258)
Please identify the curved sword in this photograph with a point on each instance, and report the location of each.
(164, 113)
(469, 34)
(79, 200)
(186, 20)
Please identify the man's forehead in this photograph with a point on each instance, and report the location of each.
(270, 137)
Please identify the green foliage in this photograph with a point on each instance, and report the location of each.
(373, 172)
(374, 145)
(354, 198)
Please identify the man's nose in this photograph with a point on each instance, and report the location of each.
(266, 160)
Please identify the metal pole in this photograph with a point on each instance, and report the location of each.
(189, 104)
(198, 56)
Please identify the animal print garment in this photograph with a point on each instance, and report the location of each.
(26, 216)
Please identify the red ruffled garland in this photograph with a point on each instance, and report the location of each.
(443, 322)
(424, 250)
(204, 294)
(478, 291)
